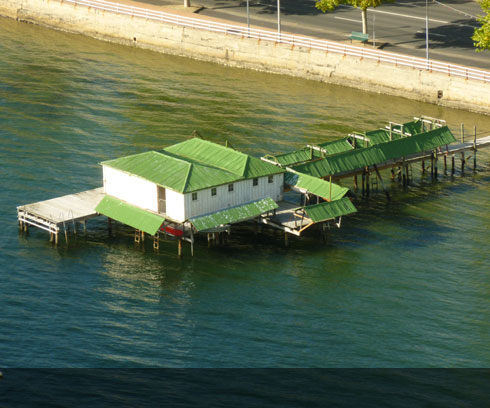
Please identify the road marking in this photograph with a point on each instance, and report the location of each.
(414, 17)
(432, 34)
(348, 19)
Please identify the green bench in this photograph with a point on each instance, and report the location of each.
(359, 37)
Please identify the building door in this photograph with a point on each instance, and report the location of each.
(162, 200)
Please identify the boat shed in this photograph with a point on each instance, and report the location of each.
(190, 179)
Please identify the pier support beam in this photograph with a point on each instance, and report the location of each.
(474, 148)
(179, 248)
(286, 239)
(382, 184)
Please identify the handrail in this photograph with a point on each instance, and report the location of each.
(293, 40)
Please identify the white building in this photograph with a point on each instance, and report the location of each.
(191, 179)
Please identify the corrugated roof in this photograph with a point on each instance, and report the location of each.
(224, 158)
(130, 215)
(329, 210)
(193, 165)
(234, 214)
(172, 172)
(315, 185)
(336, 146)
(359, 158)
(298, 156)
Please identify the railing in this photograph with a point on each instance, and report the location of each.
(293, 40)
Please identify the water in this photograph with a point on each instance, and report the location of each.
(402, 284)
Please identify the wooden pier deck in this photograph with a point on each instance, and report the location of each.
(286, 219)
(52, 214)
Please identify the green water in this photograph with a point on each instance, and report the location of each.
(401, 284)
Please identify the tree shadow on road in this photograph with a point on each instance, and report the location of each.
(457, 34)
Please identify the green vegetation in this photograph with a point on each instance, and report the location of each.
(330, 5)
(481, 37)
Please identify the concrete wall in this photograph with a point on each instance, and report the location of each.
(262, 55)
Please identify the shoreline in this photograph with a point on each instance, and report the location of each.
(183, 38)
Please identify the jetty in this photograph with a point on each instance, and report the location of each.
(200, 187)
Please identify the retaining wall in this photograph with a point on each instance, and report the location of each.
(269, 56)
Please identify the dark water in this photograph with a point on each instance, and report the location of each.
(402, 284)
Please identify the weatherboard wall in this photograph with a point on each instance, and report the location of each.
(243, 192)
(134, 190)
(371, 75)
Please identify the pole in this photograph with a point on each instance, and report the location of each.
(427, 30)
(279, 18)
(374, 40)
(248, 16)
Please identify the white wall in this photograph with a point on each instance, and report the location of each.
(175, 205)
(132, 189)
(243, 192)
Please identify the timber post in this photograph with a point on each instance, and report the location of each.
(474, 148)
(286, 239)
(462, 153)
(156, 241)
(179, 248)
(452, 165)
(435, 164)
(367, 181)
(382, 183)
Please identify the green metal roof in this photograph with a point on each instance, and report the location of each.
(193, 165)
(234, 214)
(130, 215)
(336, 146)
(298, 156)
(315, 186)
(225, 158)
(171, 171)
(329, 210)
(359, 158)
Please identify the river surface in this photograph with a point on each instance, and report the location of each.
(401, 284)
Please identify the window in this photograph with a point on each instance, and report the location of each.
(271, 179)
(194, 196)
(255, 182)
(230, 187)
(213, 191)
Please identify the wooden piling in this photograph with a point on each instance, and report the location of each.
(382, 184)
(367, 181)
(435, 165)
(179, 247)
(137, 236)
(66, 235)
(355, 183)
(156, 241)
(423, 166)
(452, 165)
(432, 164)
(462, 162)
(192, 241)
(474, 148)
(445, 164)
(56, 238)
(363, 182)
(286, 239)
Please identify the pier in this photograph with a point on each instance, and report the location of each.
(199, 187)
(60, 213)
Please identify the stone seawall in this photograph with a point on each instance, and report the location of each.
(255, 54)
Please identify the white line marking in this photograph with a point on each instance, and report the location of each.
(348, 19)
(407, 16)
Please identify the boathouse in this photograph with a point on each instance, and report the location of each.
(190, 179)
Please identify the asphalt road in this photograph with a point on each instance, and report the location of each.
(397, 27)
